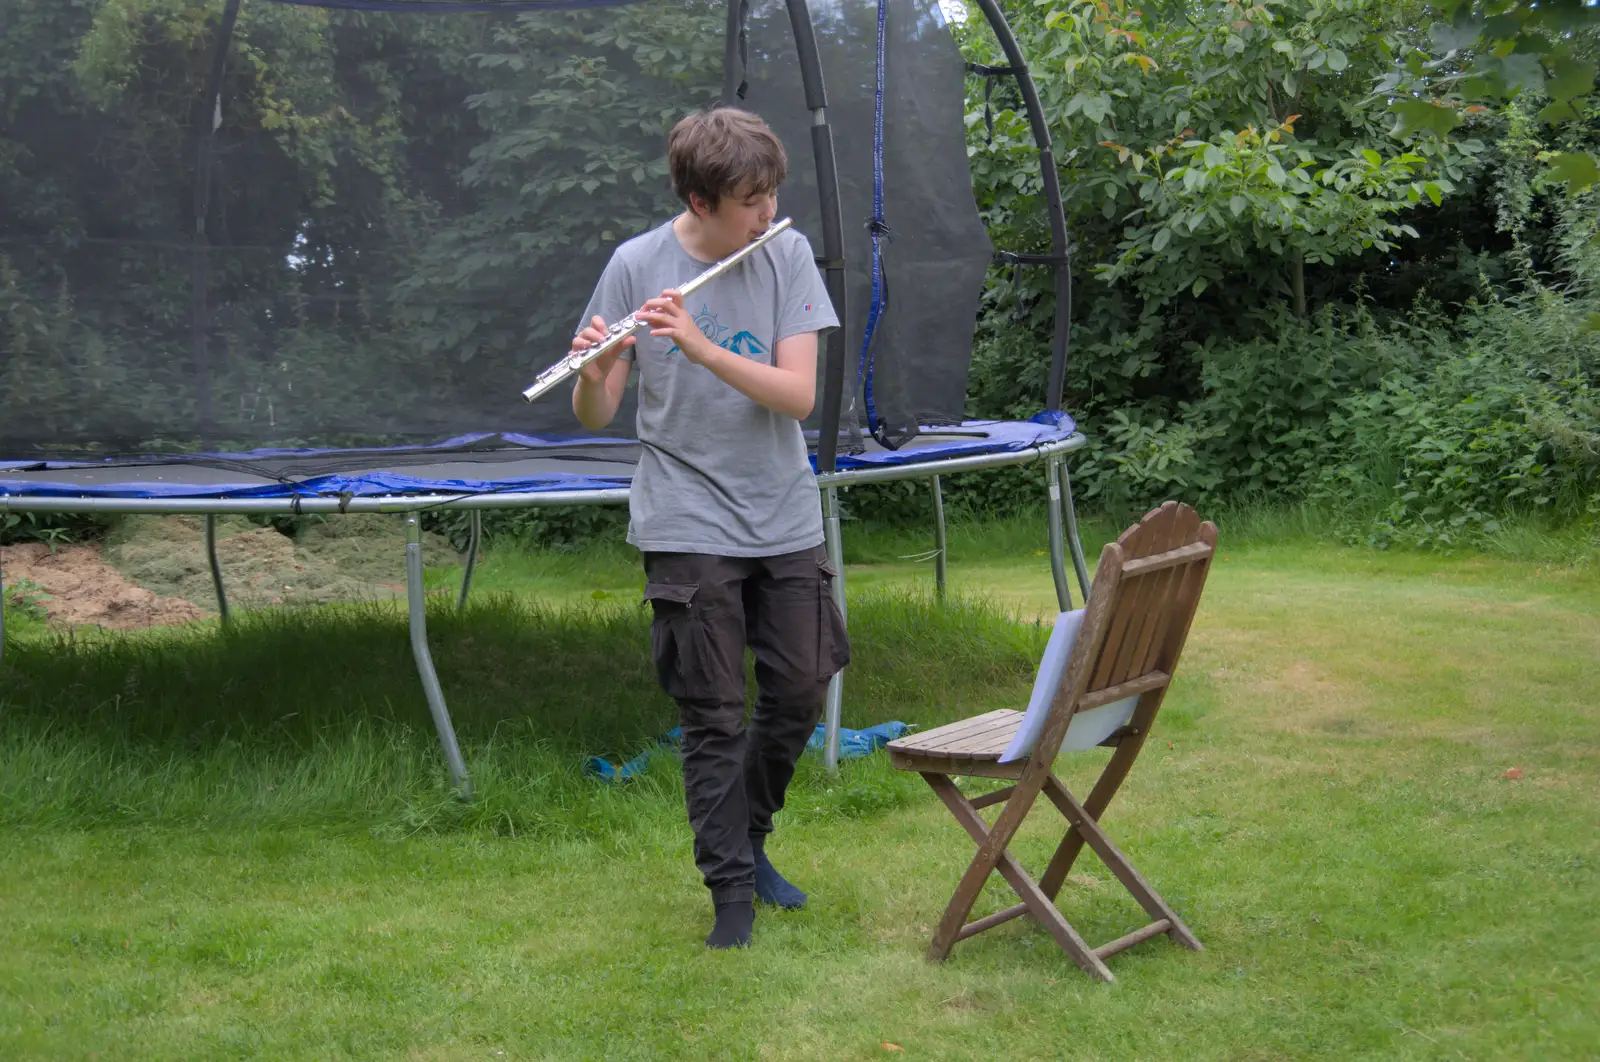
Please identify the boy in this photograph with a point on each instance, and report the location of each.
(724, 506)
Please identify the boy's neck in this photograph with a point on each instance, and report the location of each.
(699, 239)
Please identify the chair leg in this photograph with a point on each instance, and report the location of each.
(1060, 865)
(972, 882)
(1111, 779)
(1085, 826)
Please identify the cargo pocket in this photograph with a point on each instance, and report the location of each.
(678, 640)
(833, 645)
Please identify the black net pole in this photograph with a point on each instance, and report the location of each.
(199, 274)
(1061, 251)
(805, 40)
(733, 53)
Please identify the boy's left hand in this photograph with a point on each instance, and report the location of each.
(666, 316)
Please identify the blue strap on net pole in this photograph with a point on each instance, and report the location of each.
(878, 228)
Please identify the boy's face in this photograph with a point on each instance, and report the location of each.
(742, 217)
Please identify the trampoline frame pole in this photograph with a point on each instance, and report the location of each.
(1058, 562)
(472, 558)
(2, 611)
(940, 572)
(1073, 540)
(834, 540)
(216, 568)
(419, 649)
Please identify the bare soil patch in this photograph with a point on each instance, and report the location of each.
(83, 589)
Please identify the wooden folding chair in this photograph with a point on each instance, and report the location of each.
(1106, 689)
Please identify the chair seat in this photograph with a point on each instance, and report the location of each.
(982, 737)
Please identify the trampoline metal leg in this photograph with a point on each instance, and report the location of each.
(1058, 564)
(2, 615)
(940, 572)
(835, 547)
(472, 558)
(419, 650)
(216, 568)
(1073, 539)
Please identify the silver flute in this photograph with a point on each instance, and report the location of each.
(575, 360)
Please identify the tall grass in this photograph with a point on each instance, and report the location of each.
(317, 715)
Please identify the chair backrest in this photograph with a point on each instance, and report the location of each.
(1132, 631)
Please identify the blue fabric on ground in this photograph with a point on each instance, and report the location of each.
(853, 744)
(601, 768)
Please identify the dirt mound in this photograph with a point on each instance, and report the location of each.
(342, 558)
(152, 570)
(84, 589)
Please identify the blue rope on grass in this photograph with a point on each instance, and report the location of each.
(853, 745)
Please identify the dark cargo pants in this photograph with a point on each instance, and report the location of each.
(707, 609)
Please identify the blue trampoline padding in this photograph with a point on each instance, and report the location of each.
(366, 484)
(968, 439)
(853, 744)
(457, 442)
(987, 437)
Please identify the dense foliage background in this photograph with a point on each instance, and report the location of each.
(1338, 252)
(1289, 288)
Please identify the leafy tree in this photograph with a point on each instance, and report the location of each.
(1482, 53)
(1222, 138)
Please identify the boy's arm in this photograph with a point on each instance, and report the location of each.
(787, 386)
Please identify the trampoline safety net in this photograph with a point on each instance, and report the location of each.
(390, 215)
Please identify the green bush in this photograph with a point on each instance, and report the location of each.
(1421, 429)
(52, 528)
(1502, 422)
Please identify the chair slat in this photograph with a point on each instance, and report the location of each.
(993, 798)
(1167, 538)
(938, 735)
(1185, 601)
(990, 921)
(1169, 559)
(992, 742)
(1138, 936)
(1118, 630)
(1143, 659)
(955, 737)
(1137, 601)
(986, 745)
(1143, 684)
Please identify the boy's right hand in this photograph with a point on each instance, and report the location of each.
(598, 369)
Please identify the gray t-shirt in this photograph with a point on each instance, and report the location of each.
(718, 473)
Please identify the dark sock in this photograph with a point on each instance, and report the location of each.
(771, 887)
(732, 928)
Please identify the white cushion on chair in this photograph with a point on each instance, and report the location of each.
(1087, 729)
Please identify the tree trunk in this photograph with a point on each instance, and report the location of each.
(1297, 272)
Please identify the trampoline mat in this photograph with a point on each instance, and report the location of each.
(479, 464)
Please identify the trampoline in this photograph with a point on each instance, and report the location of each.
(259, 351)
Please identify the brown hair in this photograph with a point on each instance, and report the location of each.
(722, 151)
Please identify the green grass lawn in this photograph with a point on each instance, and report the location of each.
(241, 845)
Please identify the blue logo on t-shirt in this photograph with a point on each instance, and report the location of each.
(741, 342)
